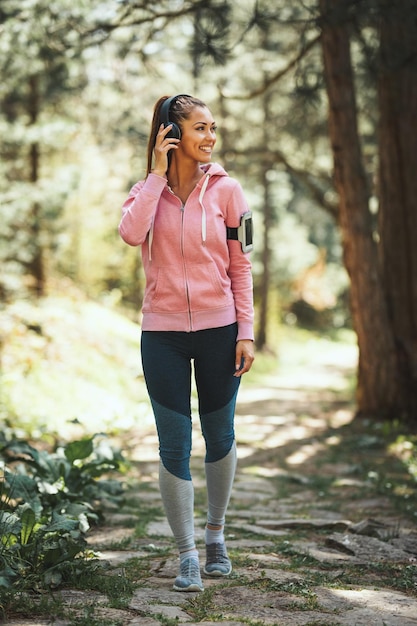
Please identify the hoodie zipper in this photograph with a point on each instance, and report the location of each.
(187, 291)
(203, 236)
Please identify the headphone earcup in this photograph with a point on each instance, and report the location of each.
(175, 131)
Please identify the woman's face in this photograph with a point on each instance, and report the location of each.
(198, 135)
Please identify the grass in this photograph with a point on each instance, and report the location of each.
(203, 607)
(146, 514)
(118, 589)
(27, 605)
(137, 569)
(71, 360)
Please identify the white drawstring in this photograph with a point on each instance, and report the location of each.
(150, 240)
(203, 209)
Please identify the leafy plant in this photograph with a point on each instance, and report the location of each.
(47, 503)
(65, 480)
(37, 551)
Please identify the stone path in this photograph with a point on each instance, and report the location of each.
(312, 540)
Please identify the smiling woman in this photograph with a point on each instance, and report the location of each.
(194, 145)
(198, 138)
(197, 308)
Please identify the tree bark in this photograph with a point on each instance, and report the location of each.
(267, 219)
(37, 264)
(377, 389)
(397, 95)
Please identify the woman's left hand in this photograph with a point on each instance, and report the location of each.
(244, 356)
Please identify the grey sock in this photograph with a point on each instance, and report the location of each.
(219, 478)
(178, 499)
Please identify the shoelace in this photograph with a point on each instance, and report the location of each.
(216, 553)
(190, 568)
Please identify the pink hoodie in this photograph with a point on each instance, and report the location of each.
(195, 277)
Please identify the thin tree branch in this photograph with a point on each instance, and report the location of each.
(315, 183)
(276, 77)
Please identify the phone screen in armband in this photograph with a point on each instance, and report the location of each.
(245, 232)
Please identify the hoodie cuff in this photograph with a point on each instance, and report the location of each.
(245, 331)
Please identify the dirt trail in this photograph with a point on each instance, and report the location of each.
(313, 539)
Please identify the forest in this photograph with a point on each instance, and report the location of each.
(314, 103)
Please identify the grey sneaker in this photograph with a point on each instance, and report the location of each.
(189, 578)
(217, 561)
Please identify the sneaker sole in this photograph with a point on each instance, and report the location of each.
(216, 573)
(193, 587)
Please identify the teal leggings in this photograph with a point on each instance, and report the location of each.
(167, 359)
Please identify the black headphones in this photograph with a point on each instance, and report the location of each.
(175, 131)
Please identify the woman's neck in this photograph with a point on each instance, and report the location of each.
(183, 179)
(184, 176)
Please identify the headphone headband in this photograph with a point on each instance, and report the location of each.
(164, 115)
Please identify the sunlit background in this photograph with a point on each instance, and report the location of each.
(79, 84)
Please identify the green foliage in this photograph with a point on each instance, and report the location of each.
(73, 75)
(47, 503)
(38, 76)
(210, 38)
(65, 480)
(37, 552)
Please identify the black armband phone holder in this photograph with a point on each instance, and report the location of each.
(243, 233)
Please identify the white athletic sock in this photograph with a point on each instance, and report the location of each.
(213, 536)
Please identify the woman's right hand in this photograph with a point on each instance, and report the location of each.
(163, 145)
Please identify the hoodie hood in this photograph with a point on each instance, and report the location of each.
(214, 169)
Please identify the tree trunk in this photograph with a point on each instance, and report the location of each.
(268, 214)
(377, 390)
(397, 92)
(37, 264)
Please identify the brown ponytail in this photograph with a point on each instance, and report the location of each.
(180, 110)
(156, 122)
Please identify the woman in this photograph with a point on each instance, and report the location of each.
(197, 309)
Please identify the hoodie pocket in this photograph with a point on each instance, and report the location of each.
(206, 289)
(170, 293)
